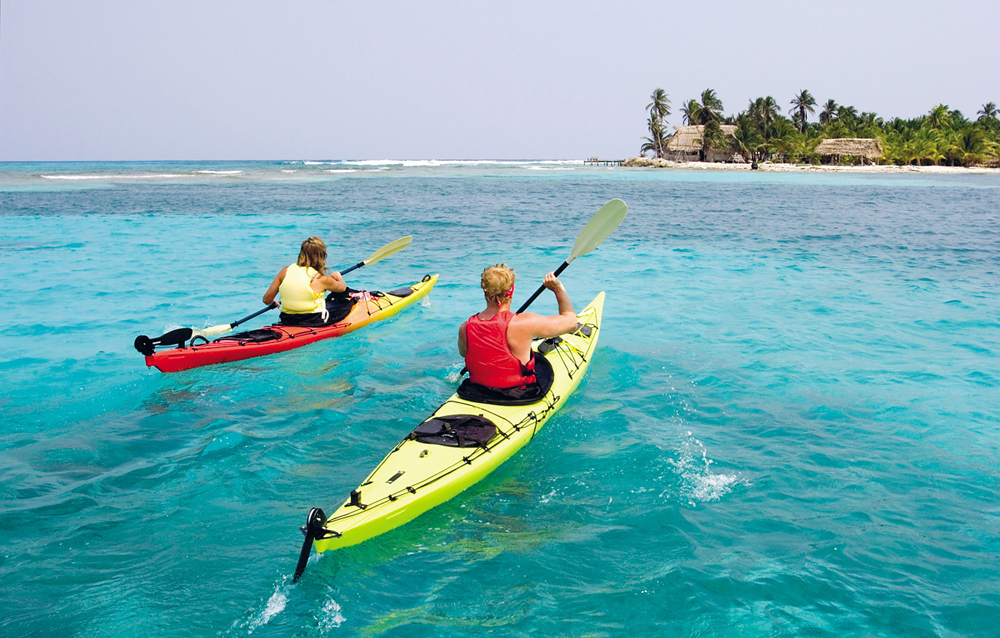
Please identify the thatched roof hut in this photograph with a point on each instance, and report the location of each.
(688, 138)
(685, 144)
(867, 148)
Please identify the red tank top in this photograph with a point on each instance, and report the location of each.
(488, 357)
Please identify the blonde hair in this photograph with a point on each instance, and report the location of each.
(496, 281)
(313, 255)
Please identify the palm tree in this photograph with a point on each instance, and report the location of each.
(848, 115)
(712, 136)
(803, 149)
(658, 109)
(939, 117)
(691, 112)
(660, 105)
(746, 139)
(972, 145)
(710, 108)
(764, 112)
(657, 140)
(797, 121)
(988, 112)
(869, 118)
(838, 129)
(925, 147)
(829, 112)
(801, 103)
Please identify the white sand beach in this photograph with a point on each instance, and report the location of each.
(646, 162)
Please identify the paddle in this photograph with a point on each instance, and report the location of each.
(601, 225)
(179, 337)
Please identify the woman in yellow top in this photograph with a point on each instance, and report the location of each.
(303, 286)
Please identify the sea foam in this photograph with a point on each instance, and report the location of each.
(114, 176)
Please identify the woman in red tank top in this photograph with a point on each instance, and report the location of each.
(496, 342)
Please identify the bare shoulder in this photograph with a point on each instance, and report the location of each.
(526, 321)
(525, 318)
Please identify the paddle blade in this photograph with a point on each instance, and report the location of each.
(211, 331)
(603, 223)
(389, 249)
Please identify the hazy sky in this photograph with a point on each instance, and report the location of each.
(217, 79)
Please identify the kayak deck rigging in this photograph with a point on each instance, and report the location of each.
(418, 475)
(370, 308)
(293, 332)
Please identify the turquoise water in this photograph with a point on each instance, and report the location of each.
(790, 428)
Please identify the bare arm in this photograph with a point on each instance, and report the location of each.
(463, 340)
(272, 290)
(529, 325)
(332, 282)
(562, 297)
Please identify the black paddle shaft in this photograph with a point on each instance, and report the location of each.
(540, 289)
(249, 317)
(354, 267)
(275, 305)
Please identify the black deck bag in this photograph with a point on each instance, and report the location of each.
(512, 396)
(253, 336)
(460, 430)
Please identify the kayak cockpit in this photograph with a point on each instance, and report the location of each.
(544, 374)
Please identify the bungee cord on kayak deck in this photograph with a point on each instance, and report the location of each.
(180, 337)
(572, 361)
(290, 337)
(439, 469)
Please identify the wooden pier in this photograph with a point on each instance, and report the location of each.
(599, 162)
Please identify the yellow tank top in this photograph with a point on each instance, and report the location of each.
(297, 297)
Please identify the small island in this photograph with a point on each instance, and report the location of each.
(762, 137)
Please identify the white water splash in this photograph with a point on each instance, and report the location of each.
(700, 484)
(274, 606)
(548, 497)
(454, 374)
(330, 616)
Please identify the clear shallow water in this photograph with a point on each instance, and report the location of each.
(791, 426)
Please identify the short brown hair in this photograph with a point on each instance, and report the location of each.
(496, 281)
(313, 255)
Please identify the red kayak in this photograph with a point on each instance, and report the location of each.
(278, 338)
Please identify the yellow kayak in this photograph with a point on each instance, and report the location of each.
(462, 442)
